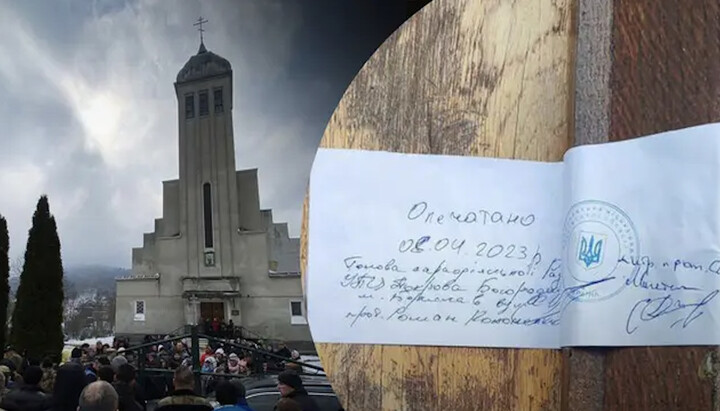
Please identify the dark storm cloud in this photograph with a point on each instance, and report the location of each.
(89, 111)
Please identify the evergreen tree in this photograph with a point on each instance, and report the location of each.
(38, 315)
(4, 274)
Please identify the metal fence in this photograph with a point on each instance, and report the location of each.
(147, 377)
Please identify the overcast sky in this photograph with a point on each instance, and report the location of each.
(88, 110)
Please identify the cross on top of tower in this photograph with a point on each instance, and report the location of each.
(200, 22)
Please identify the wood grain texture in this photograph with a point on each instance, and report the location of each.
(465, 77)
(583, 386)
(665, 75)
(593, 62)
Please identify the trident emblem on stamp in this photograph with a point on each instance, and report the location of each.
(596, 235)
(590, 248)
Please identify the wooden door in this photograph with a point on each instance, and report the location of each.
(212, 310)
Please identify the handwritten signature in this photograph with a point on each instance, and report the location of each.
(574, 293)
(639, 279)
(649, 309)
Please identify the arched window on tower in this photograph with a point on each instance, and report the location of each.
(207, 215)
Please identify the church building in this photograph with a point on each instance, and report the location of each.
(214, 253)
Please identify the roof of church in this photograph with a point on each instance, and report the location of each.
(204, 64)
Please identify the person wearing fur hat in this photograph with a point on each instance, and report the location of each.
(291, 386)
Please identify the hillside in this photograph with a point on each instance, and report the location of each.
(81, 278)
(89, 298)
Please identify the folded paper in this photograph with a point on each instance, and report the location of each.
(618, 245)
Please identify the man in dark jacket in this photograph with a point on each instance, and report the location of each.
(28, 396)
(240, 393)
(283, 351)
(184, 397)
(125, 387)
(291, 386)
(106, 373)
(91, 372)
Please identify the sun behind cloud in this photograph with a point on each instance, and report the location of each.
(100, 117)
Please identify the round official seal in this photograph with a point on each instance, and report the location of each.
(596, 236)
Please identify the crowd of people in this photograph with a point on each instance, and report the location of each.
(32, 385)
(232, 356)
(104, 377)
(221, 329)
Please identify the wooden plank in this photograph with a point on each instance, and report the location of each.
(466, 77)
(663, 74)
(583, 386)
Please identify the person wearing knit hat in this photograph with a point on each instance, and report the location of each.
(291, 386)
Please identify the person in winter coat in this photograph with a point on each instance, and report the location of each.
(291, 386)
(208, 366)
(12, 377)
(226, 393)
(283, 351)
(117, 361)
(69, 383)
(183, 396)
(233, 365)
(12, 355)
(48, 380)
(208, 353)
(106, 373)
(91, 372)
(286, 404)
(28, 396)
(76, 355)
(3, 390)
(240, 393)
(125, 387)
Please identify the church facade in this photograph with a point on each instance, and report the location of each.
(214, 253)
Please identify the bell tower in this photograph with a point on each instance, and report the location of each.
(207, 179)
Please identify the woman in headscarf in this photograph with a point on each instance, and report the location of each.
(208, 366)
(233, 365)
(69, 383)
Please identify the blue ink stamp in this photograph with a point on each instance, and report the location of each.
(596, 235)
(590, 250)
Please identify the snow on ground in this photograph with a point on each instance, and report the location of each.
(91, 341)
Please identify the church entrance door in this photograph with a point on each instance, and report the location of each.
(212, 310)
